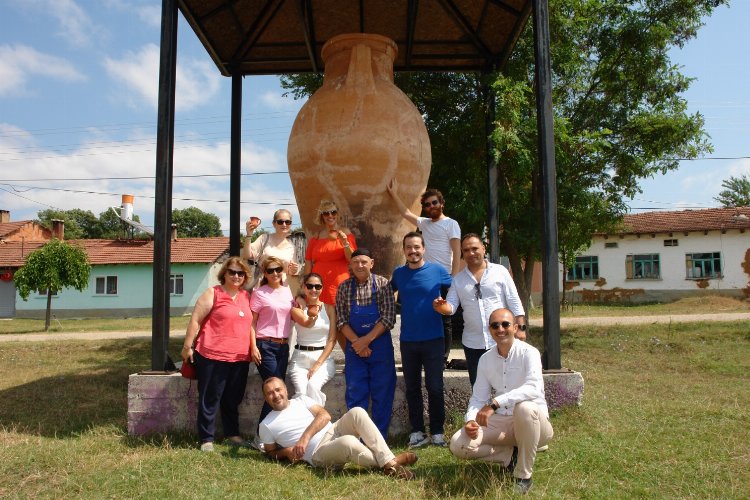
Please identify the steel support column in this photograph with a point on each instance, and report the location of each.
(550, 278)
(163, 185)
(235, 180)
(493, 188)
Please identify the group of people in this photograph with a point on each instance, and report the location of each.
(341, 299)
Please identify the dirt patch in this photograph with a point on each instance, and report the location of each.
(613, 295)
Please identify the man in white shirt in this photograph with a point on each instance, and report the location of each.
(300, 429)
(480, 288)
(517, 415)
(441, 239)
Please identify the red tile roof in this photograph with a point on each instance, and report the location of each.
(184, 250)
(710, 219)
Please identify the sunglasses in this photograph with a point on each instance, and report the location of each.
(274, 270)
(233, 272)
(495, 325)
(312, 286)
(282, 222)
(477, 291)
(428, 204)
(329, 212)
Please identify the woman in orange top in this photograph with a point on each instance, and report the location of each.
(329, 250)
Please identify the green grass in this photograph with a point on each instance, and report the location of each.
(665, 415)
(691, 305)
(88, 325)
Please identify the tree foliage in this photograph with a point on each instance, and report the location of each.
(51, 268)
(83, 224)
(619, 117)
(736, 192)
(193, 222)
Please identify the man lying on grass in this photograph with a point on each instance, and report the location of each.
(299, 429)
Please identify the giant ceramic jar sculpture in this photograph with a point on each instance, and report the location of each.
(354, 135)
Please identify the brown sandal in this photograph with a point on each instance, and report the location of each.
(398, 472)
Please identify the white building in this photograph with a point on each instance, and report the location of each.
(661, 256)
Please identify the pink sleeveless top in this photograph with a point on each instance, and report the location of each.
(225, 333)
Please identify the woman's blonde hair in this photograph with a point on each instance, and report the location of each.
(325, 206)
(266, 263)
(237, 262)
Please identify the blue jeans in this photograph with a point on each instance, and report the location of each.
(414, 356)
(221, 384)
(274, 359)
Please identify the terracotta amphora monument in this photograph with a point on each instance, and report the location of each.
(354, 135)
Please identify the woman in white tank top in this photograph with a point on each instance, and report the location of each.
(312, 365)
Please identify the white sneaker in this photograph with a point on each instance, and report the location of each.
(439, 440)
(543, 448)
(207, 447)
(255, 443)
(417, 439)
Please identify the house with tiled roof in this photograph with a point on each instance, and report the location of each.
(22, 230)
(661, 256)
(121, 283)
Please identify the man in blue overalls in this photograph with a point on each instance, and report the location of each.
(365, 314)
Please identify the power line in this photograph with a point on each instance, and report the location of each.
(3, 181)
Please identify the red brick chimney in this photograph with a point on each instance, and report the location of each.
(58, 229)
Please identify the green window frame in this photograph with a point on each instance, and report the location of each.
(586, 267)
(703, 265)
(644, 266)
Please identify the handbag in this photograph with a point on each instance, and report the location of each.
(188, 370)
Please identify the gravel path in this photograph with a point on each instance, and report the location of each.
(608, 320)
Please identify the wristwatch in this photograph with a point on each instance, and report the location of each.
(491, 403)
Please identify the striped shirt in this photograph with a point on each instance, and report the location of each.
(383, 297)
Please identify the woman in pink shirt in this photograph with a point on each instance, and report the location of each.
(273, 309)
(217, 342)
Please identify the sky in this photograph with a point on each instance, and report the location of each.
(78, 95)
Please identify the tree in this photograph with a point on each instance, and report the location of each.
(619, 118)
(193, 222)
(736, 192)
(78, 223)
(54, 266)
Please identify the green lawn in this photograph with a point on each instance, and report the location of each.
(665, 415)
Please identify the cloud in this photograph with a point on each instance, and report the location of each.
(17, 62)
(149, 13)
(99, 157)
(75, 25)
(197, 81)
(276, 101)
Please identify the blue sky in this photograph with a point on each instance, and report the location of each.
(78, 91)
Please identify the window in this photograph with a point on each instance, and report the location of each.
(703, 265)
(642, 266)
(175, 284)
(106, 285)
(671, 243)
(610, 244)
(585, 268)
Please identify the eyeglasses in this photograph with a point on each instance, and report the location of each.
(311, 286)
(428, 204)
(495, 325)
(274, 270)
(329, 212)
(282, 222)
(234, 272)
(478, 291)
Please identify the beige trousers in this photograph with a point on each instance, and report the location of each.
(527, 429)
(342, 444)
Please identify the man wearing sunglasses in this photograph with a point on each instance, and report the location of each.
(480, 288)
(507, 408)
(441, 239)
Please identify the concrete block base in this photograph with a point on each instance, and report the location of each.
(160, 403)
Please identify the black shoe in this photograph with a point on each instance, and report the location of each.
(513, 459)
(522, 485)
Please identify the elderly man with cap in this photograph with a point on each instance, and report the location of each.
(365, 314)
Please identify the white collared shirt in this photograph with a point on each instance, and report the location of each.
(498, 291)
(512, 380)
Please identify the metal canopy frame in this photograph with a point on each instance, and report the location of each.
(256, 37)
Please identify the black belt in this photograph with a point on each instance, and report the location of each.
(308, 348)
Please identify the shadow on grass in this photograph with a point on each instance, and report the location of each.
(88, 387)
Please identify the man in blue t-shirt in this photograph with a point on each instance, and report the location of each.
(418, 283)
